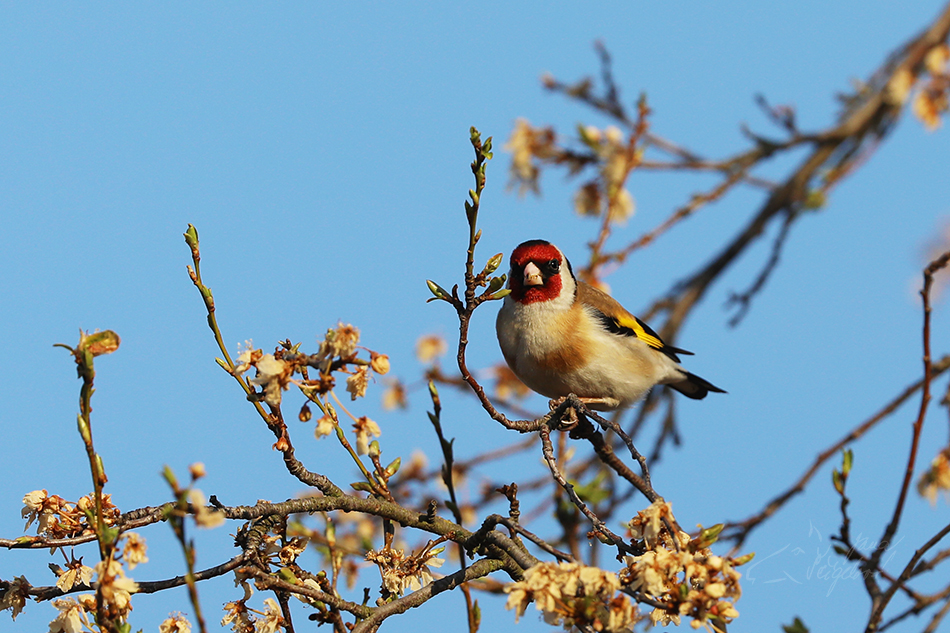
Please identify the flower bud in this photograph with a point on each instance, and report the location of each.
(99, 343)
(197, 470)
(379, 363)
(493, 264)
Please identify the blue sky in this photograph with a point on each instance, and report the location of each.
(322, 152)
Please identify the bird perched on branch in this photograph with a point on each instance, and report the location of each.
(562, 336)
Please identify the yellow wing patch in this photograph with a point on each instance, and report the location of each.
(629, 325)
(641, 330)
(618, 321)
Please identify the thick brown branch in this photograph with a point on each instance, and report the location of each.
(834, 149)
(477, 569)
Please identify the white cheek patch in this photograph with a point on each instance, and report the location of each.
(565, 300)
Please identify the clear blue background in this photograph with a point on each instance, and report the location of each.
(322, 151)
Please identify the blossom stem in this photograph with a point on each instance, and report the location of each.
(349, 448)
(176, 519)
(84, 361)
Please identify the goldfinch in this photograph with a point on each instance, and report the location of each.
(561, 336)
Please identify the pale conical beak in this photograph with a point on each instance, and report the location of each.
(532, 275)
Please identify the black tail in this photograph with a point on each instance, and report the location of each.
(692, 386)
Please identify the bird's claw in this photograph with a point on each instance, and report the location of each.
(568, 419)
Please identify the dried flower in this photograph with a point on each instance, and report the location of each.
(899, 86)
(34, 503)
(71, 619)
(430, 347)
(356, 384)
(587, 200)
(116, 588)
(394, 396)
(364, 427)
(273, 618)
(289, 552)
(273, 376)
(14, 598)
(400, 572)
(237, 615)
(937, 478)
(176, 623)
(928, 105)
(247, 357)
(76, 574)
(58, 518)
(937, 58)
(134, 551)
(622, 206)
(648, 526)
(527, 144)
(325, 426)
(341, 342)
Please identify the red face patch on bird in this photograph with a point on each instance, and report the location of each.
(535, 272)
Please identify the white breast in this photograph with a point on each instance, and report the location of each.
(555, 351)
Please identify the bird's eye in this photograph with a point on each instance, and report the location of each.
(553, 265)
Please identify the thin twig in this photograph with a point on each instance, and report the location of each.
(879, 600)
(547, 450)
(738, 531)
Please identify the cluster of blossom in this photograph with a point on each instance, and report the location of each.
(338, 352)
(936, 478)
(680, 578)
(683, 575)
(176, 623)
(528, 147)
(116, 589)
(400, 572)
(574, 595)
(346, 537)
(609, 149)
(932, 97)
(244, 619)
(616, 159)
(108, 577)
(57, 518)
